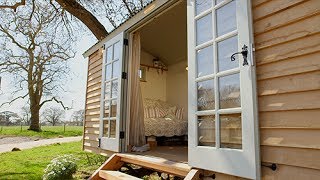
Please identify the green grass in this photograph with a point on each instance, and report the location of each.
(47, 131)
(30, 164)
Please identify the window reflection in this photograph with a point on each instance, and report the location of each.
(229, 91)
(231, 131)
(204, 29)
(226, 18)
(206, 96)
(206, 131)
(205, 61)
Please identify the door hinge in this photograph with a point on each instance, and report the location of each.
(99, 144)
(104, 47)
(125, 42)
(121, 134)
(124, 75)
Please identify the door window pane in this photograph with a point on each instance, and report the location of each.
(117, 50)
(205, 61)
(108, 72)
(204, 29)
(106, 109)
(105, 128)
(107, 90)
(114, 89)
(206, 95)
(109, 54)
(225, 49)
(206, 131)
(202, 5)
(230, 131)
(226, 18)
(229, 91)
(113, 108)
(116, 69)
(112, 128)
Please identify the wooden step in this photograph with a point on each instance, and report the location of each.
(116, 175)
(116, 161)
(160, 164)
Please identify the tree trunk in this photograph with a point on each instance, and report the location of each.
(35, 120)
(35, 115)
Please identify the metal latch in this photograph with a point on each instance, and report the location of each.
(244, 53)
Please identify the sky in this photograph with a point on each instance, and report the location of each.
(75, 88)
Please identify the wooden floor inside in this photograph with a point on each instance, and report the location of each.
(172, 153)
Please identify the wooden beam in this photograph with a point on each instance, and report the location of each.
(113, 163)
(160, 164)
(116, 175)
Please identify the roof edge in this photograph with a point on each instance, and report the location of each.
(144, 12)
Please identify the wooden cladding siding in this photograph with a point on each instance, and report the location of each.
(92, 112)
(287, 42)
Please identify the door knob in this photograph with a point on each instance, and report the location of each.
(244, 53)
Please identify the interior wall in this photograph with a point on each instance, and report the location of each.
(155, 85)
(177, 86)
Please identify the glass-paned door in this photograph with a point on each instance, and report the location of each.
(111, 94)
(222, 122)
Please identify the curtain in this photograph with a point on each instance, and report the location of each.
(137, 133)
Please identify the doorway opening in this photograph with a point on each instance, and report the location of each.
(163, 76)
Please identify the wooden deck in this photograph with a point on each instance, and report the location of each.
(172, 153)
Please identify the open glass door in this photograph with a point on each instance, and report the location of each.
(222, 99)
(111, 87)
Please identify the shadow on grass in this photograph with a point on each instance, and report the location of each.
(8, 175)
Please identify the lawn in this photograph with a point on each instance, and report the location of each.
(30, 164)
(47, 131)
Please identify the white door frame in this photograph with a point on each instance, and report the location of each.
(244, 162)
(108, 143)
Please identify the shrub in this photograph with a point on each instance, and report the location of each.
(62, 167)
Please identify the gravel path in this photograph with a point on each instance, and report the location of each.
(15, 140)
(31, 143)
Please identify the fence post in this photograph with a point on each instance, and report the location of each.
(64, 127)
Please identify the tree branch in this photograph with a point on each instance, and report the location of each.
(19, 97)
(57, 101)
(15, 6)
(86, 17)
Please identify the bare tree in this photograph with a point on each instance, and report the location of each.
(9, 118)
(26, 115)
(53, 115)
(35, 49)
(92, 13)
(78, 117)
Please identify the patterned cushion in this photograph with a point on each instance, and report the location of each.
(160, 109)
(149, 112)
(179, 113)
(160, 112)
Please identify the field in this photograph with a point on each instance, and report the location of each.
(30, 164)
(47, 131)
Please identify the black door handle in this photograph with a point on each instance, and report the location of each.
(244, 53)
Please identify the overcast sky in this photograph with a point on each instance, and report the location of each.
(75, 88)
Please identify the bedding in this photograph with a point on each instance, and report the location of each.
(167, 127)
(163, 119)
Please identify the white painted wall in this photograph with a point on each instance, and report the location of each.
(155, 87)
(177, 85)
(170, 86)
